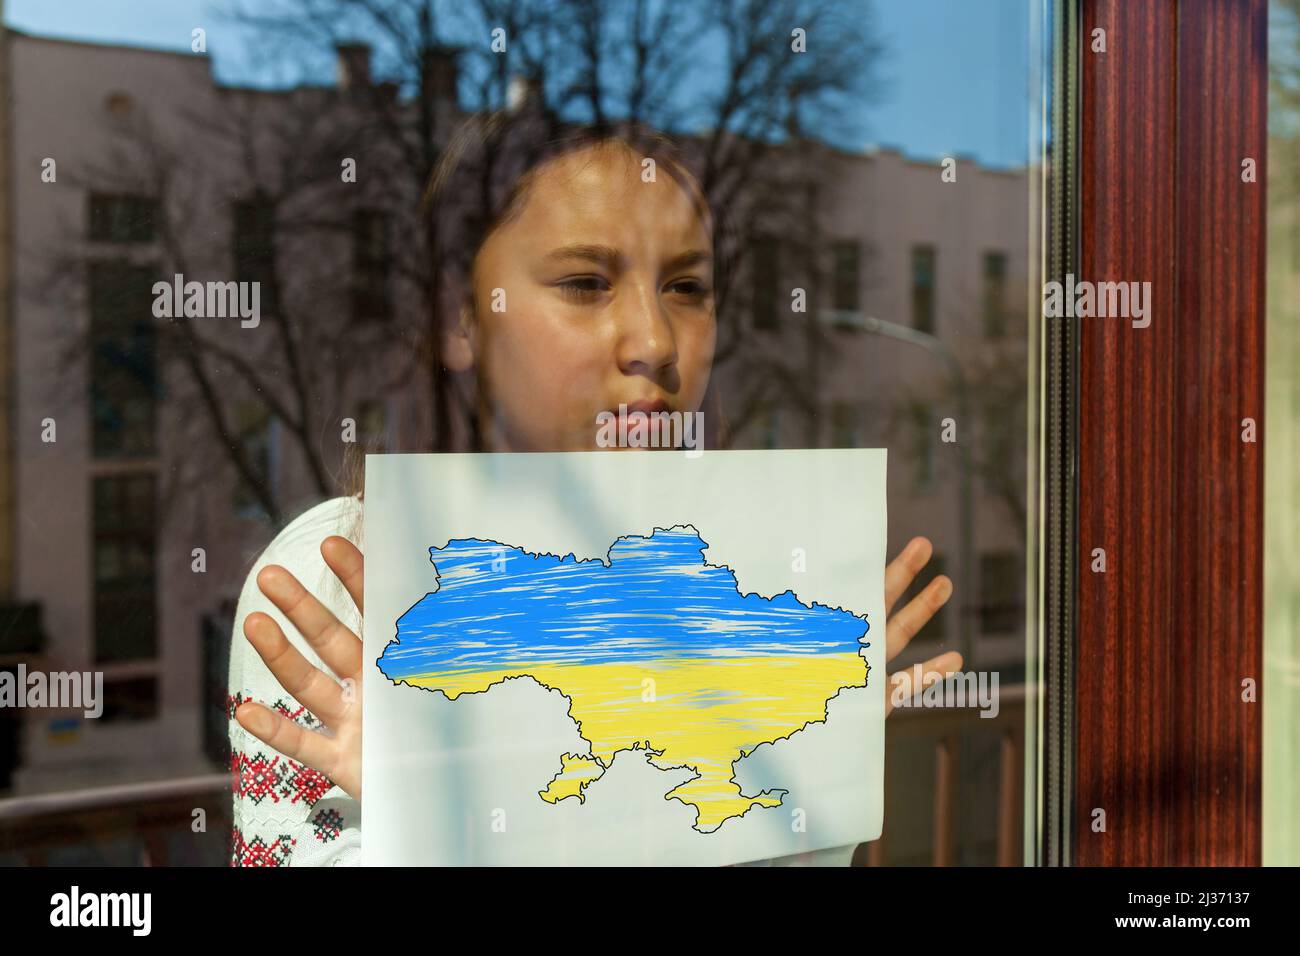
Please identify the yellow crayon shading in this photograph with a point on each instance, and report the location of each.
(704, 713)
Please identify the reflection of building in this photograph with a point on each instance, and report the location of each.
(113, 510)
(134, 524)
(21, 634)
(899, 244)
(86, 541)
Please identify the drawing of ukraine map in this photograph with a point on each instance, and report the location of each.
(657, 651)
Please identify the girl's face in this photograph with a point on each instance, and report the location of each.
(598, 293)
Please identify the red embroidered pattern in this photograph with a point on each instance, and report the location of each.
(286, 706)
(262, 774)
(257, 776)
(328, 824)
(308, 785)
(258, 852)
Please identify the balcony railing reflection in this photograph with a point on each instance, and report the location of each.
(972, 768)
(145, 824)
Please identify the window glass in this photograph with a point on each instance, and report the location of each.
(1281, 439)
(845, 293)
(125, 544)
(923, 291)
(256, 429)
(871, 195)
(122, 219)
(765, 282)
(995, 294)
(372, 262)
(253, 247)
(123, 357)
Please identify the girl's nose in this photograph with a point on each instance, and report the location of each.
(646, 345)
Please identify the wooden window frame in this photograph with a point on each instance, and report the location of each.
(1144, 663)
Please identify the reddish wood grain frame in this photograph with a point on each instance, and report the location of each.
(1164, 743)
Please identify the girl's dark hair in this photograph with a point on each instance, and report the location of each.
(487, 168)
(482, 181)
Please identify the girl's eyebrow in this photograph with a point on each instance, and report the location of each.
(601, 255)
(614, 260)
(693, 257)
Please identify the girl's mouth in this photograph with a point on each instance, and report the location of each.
(644, 406)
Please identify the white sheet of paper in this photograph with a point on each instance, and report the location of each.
(460, 781)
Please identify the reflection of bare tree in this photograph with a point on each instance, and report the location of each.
(995, 380)
(278, 155)
(998, 383)
(722, 73)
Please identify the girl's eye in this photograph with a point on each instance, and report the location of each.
(582, 288)
(692, 288)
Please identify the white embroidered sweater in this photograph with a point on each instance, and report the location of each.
(287, 814)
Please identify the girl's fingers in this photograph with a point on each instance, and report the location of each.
(903, 684)
(305, 682)
(904, 568)
(277, 731)
(344, 559)
(337, 646)
(900, 628)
